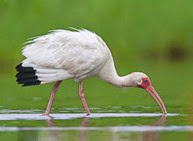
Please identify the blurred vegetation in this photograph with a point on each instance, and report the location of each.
(130, 28)
(150, 36)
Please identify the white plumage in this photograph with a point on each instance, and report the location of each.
(64, 54)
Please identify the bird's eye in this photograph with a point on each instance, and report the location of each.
(145, 81)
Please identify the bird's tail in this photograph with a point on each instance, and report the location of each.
(26, 76)
(29, 74)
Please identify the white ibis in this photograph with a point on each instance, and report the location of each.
(78, 54)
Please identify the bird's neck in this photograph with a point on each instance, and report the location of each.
(109, 74)
(121, 81)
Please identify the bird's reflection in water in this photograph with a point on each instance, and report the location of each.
(53, 134)
(141, 136)
(49, 121)
(83, 132)
(154, 136)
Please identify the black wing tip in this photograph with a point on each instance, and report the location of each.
(37, 82)
(26, 76)
(22, 75)
(18, 66)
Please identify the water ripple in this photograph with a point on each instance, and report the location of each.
(112, 129)
(77, 115)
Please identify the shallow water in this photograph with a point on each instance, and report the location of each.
(76, 115)
(157, 126)
(111, 129)
(31, 125)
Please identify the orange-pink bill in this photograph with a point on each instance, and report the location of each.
(157, 98)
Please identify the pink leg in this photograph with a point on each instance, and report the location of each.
(54, 90)
(81, 94)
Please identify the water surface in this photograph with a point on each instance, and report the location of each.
(31, 125)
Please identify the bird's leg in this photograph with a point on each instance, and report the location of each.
(81, 94)
(54, 90)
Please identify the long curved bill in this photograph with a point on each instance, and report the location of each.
(157, 98)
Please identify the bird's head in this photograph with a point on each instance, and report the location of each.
(141, 80)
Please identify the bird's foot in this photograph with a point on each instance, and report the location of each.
(45, 114)
(164, 115)
(88, 114)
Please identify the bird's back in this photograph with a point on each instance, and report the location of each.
(76, 54)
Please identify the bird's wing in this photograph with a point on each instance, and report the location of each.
(77, 52)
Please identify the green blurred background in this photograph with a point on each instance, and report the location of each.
(151, 36)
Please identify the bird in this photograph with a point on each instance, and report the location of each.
(75, 54)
